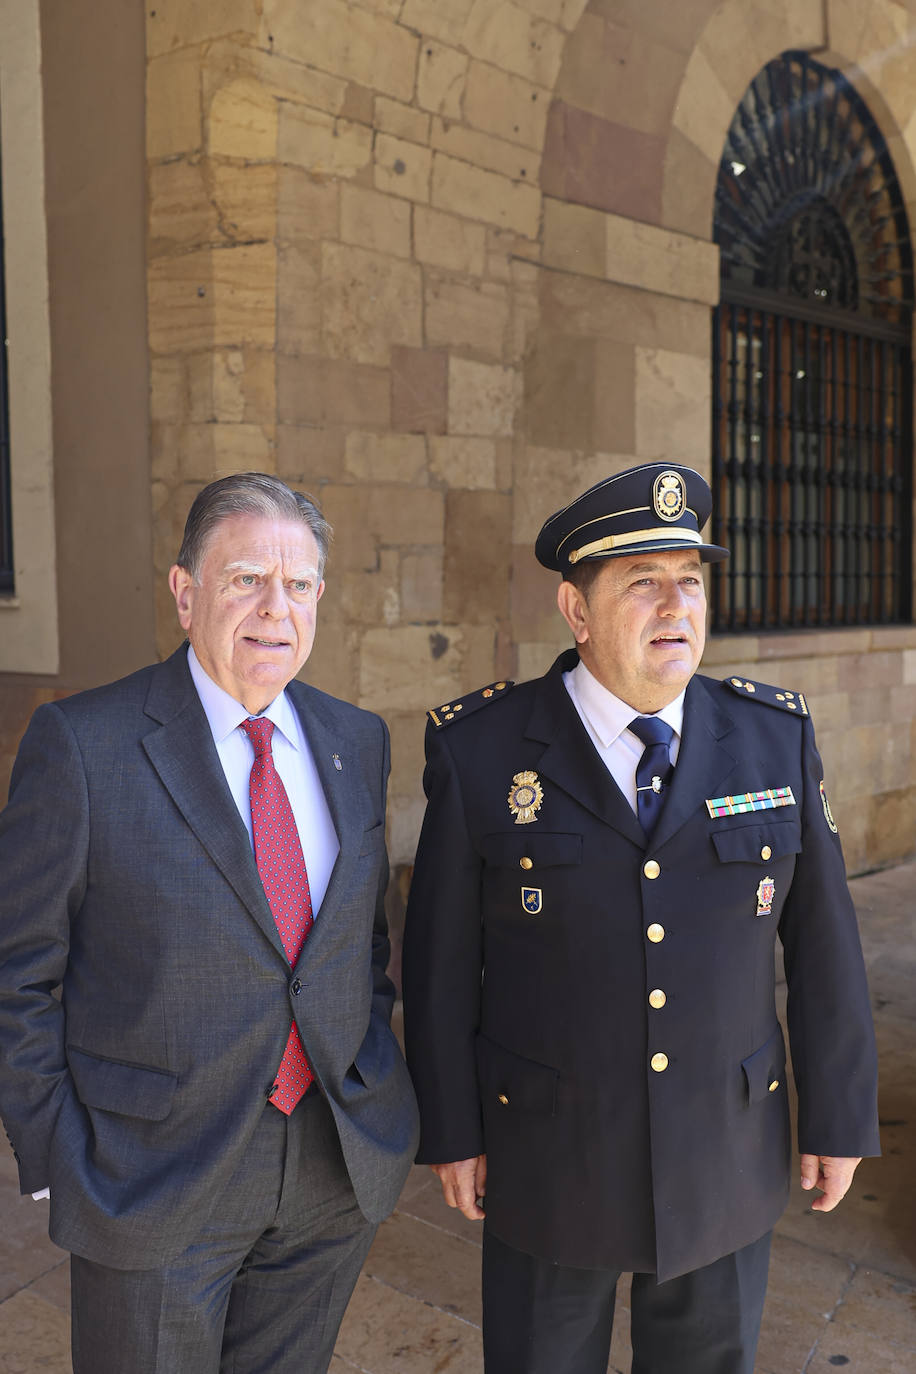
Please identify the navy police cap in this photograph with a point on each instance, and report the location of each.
(653, 508)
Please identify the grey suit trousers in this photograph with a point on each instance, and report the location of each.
(264, 1286)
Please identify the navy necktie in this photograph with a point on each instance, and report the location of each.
(653, 772)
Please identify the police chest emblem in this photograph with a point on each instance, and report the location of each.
(525, 797)
(668, 495)
(766, 891)
(828, 814)
(531, 900)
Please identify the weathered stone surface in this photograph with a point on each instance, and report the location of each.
(593, 162)
(403, 121)
(456, 186)
(447, 241)
(446, 22)
(377, 52)
(476, 570)
(321, 391)
(575, 238)
(373, 598)
(385, 457)
(688, 187)
(440, 78)
(173, 114)
(419, 390)
(704, 108)
(308, 456)
(482, 150)
(369, 302)
(421, 586)
(409, 668)
(580, 393)
(472, 316)
(232, 386)
(306, 209)
(533, 606)
(201, 452)
(546, 479)
(168, 390)
(175, 24)
(299, 298)
(181, 213)
(572, 304)
(461, 462)
(505, 105)
(242, 121)
(323, 145)
(673, 402)
(500, 33)
(213, 297)
(658, 260)
(372, 220)
(482, 399)
(245, 200)
(402, 168)
(621, 75)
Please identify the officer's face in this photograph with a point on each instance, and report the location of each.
(642, 629)
(251, 614)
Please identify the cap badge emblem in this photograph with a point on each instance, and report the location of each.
(766, 891)
(525, 797)
(668, 495)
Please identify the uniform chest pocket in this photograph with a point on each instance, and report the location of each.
(760, 842)
(514, 849)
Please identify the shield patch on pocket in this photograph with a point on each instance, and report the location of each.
(531, 900)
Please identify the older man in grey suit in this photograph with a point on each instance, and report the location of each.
(194, 857)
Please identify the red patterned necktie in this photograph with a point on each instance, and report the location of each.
(281, 867)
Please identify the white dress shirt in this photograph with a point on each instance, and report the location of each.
(293, 761)
(607, 720)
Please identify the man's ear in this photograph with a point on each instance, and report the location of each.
(574, 610)
(181, 585)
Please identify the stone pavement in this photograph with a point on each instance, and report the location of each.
(842, 1286)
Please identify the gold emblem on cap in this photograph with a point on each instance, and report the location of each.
(669, 495)
(525, 797)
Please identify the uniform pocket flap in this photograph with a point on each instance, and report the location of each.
(545, 850)
(128, 1089)
(746, 843)
(512, 1083)
(765, 1069)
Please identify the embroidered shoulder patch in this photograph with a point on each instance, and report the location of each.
(458, 708)
(793, 702)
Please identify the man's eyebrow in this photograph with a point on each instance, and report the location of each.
(243, 565)
(689, 565)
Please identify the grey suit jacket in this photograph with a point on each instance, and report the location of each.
(128, 881)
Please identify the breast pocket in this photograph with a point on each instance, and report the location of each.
(757, 842)
(529, 853)
(527, 875)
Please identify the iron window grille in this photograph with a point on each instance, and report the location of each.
(812, 374)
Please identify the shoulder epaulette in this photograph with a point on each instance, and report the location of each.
(764, 692)
(458, 708)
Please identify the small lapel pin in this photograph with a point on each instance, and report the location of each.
(337, 763)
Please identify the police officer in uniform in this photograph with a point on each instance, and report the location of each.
(608, 856)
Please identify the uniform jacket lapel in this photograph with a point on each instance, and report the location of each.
(705, 760)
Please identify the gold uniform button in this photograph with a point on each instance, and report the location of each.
(659, 1062)
(657, 998)
(526, 862)
(766, 852)
(774, 1085)
(651, 869)
(504, 1099)
(656, 933)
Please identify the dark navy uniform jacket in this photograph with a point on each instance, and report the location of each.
(532, 950)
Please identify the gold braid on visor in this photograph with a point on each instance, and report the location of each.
(620, 541)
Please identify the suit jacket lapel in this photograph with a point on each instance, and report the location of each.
(184, 756)
(704, 761)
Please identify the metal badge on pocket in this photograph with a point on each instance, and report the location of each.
(766, 891)
(531, 900)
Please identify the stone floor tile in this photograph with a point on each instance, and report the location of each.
(25, 1250)
(859, 1352)
(34, 1336)
(427, 1204)
(386, 1332)
(54, 1286)
(883, 1306)
(423, 1262)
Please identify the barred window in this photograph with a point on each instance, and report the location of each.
(812, 376)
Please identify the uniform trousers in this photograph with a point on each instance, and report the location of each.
(543, 1318)
(264, 1286)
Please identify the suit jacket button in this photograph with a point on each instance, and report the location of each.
(656, 933)
(526, 862)
(651, 869)
(659, 1062)
(657, 998)
(503, 1099)
(774, 1085)
(296, 987)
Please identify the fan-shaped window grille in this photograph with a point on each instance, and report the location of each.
(812, 381)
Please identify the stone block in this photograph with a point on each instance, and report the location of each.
(471, 316)
(385, 457)
(227, 60)
(786, 24)
(580, 394)
(867, 672)
(176, 24)
(446, 22)
(245, 199)
(654, 259)
(168, 390)
(481, 644)
(688, 187)
(419, 390)
(533, 602)
(242, 122)
(449, 242)
(461, 462)
(373, 598)
(198, 453)
(333, 665)
(502, 34)
(173, 109)
(732, 43)
(704, 109)
(421, 586)
(673, 401)
(369, 302)
(403, 121)
(354, 547)
(400, 516)
(350, 42)
(359, 103)
(680, 26)
(891, 825)
(299, 298)
(309, 457)
(476, 568)
(369, 219)
(331, 391)
(213, 297)
(233, 386)
(482, 150)
(591, 161)
(402, 168)
(505, 105)
(534, 657)
(575, 238)
(440, 79)
(306, 209)
(546, 479)
(647, 75)
(581, 305)
(181, 212)
(457, 186)
(409, 667)
(848, 22)
(482, 398)
(321, 144)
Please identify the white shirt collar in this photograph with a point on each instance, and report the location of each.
(608, 716)
(225, 714)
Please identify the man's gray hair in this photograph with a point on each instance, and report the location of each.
(248, 493)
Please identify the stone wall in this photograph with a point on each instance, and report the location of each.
(445, 264)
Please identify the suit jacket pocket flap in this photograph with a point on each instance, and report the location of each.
(128, 1089)
(765, 1068)
(544, 849)
(745, 843)
(508, 1082)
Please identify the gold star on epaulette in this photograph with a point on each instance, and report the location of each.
(457, 709)
(793, 702)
